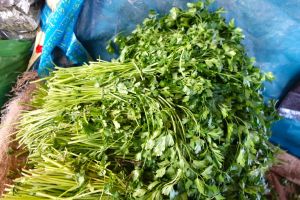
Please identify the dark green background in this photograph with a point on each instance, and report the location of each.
(14, 57)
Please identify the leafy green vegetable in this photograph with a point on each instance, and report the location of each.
(178, 116)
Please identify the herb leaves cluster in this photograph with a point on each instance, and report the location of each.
(178, 116)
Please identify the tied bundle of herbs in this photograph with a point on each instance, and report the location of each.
(178, 116)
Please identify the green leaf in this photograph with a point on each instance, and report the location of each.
(204, 113)
(80, 180)
(117, 124)
(200, 186)
(207, 172)
(153, 184)
(150, 144)
(166, 190)
(215, 133)
(212, 191)
(224, 110)
(231, 23)
(219, 197)
(211, 62)
(136, 174)
(138, 156)
(169, 140)
(139, 193)
(122, 88)
(217, 155)
(199, 164)
(241, 158)
(160, 146)
(183, 196)
(174, 12)
(160, 172)
(269, 76)
(229, 132)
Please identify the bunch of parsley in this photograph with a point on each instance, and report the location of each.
(178, 116)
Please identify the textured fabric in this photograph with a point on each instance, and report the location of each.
(59, 32)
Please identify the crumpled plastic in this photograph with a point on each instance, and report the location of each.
(58, 27)
(19, 19)
(289, 106)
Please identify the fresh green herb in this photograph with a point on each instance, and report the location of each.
(178, 116)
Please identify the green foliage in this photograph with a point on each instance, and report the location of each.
(178, 116)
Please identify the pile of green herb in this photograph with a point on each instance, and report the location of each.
(178, 116)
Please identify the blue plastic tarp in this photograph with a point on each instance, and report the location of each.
(286, 133)
(59, 32)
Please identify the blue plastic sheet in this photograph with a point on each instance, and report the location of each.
(59, 32)
(286, 134)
